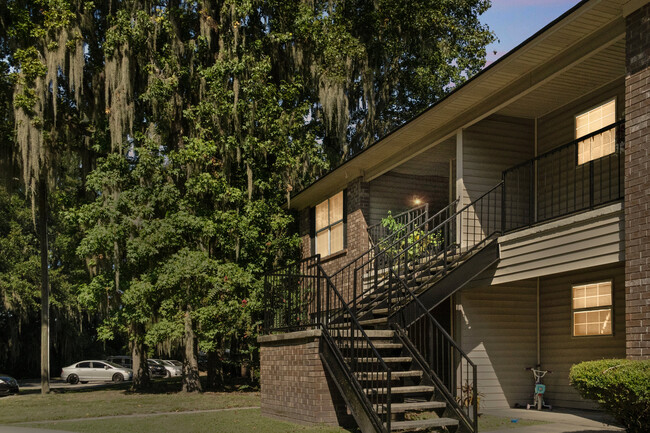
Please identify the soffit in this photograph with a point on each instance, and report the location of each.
(593, 73)
(485, 94)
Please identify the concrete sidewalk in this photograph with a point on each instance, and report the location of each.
(559, 421)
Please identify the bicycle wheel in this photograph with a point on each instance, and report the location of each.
(538, 401)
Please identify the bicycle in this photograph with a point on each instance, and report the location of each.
(540, 389)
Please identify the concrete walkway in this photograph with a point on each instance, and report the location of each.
(559, 421)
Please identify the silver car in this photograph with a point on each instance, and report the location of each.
(85, 371)
(174, 368)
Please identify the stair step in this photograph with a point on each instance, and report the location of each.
(417, 389)
(381, 375)
(377, 346)
(379, 321)
(418, 405)
(422, 424)
(371, 333)
(387, 360)
(380, 311)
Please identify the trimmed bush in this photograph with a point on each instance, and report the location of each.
(621, 386)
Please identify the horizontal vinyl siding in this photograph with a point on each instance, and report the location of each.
(581, 241)
(498, 330)
(491, 146)
(395, 192)
(559, 349)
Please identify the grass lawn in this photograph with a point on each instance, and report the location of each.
(95, 403)
(237, 421)
(95, 410)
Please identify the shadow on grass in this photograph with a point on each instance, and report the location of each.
(157, 386)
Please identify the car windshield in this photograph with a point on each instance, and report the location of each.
(176, 363)
(114, 365)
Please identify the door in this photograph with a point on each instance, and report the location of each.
(84, 371)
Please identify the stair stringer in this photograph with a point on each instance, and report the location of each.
(349, 388)
(452, 409)
(455, 280)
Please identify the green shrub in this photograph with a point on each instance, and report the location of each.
(622, 387)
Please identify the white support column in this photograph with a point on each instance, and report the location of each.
(460, 185)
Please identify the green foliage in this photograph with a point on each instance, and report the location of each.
(620, 386)
(418, 243)
(172, 135)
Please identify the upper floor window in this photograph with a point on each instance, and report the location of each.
(329, 225)
(592, 309)
(591, 121)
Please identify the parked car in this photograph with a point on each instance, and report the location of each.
(8, 385)
(156, 369)
(174, 368)
(85, 371)
(123, 360)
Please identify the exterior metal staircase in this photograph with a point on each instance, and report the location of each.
(396, 367)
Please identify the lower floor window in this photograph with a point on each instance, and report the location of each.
(592, 309)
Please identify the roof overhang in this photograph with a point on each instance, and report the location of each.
(581, 33)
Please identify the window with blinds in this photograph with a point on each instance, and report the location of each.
(592, 309)
(329, 225)
(591, 121)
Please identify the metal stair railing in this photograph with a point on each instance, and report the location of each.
(429, 257)
(422, 261)
(405, 221)
(441, 359)
(362, 275)
(303, 296)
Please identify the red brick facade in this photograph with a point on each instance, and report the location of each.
(358, 203)
(637, 185)
(295, 385)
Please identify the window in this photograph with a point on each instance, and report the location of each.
(591, 121)
(592, 309)
(329, 225)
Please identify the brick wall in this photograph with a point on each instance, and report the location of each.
(358, 204)
(637, 185)
(294, 383)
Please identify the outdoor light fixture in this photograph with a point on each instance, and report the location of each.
(417, 201)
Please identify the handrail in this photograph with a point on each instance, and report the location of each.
(352, 274)
(454, 377)
(564, 146)
(304, 296)
(554, 184)
(417, 211)
(456, 224)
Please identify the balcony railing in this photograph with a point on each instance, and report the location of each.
(553, 184)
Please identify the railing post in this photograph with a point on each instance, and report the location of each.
(531, 194)
(591, 184)
(388, 400)
(503, 202)
(319, 318)
(475, 398)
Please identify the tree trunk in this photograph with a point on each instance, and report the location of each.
(215, 373)
(45, 288)
(141, 379)
(191, 382)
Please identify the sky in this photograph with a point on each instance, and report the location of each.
(514, 21)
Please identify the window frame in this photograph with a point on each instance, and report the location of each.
(330, 225)
(609, 307)
(578, 139)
